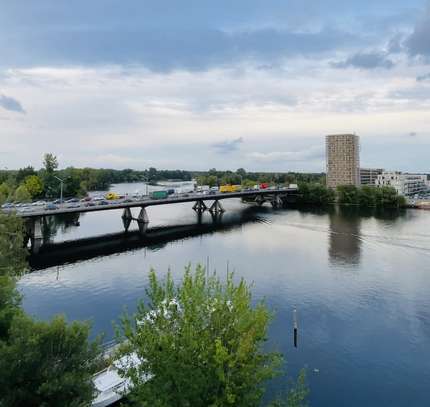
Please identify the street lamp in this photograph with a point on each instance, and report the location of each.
(61, 187)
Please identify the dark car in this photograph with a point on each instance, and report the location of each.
(90, 204)
(103, 202)
(51, 207)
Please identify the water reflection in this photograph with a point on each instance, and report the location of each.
(345, 240)
(155, 238)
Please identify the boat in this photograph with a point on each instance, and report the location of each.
(110, 386)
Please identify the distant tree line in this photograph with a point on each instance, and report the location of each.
(27, 184)
(364, 196)
(214, 177)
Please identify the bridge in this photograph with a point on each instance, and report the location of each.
(202, 202)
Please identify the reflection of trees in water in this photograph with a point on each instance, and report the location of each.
(53, 224)
(345, 240)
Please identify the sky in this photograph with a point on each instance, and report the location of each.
(197, 84)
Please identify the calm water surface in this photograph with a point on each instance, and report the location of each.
(360, 283)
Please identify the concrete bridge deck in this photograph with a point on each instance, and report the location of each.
(35, 218)
(266, 194)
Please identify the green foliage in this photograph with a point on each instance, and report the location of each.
(34, 185)
(24, 173)
(366, 196)
(22, 194)
(315, 194)
(347, 195)
(50, 163)
(47, 364)
(12, 252)
(201, 342)
(10, 300)
(297, 393)
(5, 192)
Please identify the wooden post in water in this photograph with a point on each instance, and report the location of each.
(295, 327)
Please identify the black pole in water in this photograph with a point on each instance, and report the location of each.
(295, 327)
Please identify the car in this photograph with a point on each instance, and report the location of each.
(7, 205)
(212, 192)
(73, 205)
(127, 200)
(72, 200)
(103, 202)
(86, 199)
(98, 198)
(90, 204)
(57, 201)
(50, 206)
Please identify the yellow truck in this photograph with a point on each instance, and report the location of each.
(229, 188)
(111, 196)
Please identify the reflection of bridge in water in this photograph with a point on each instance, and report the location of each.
(35, 219)
(56, 254)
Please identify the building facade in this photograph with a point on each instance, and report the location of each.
(342, 160)
(404, 184)
(368, 176)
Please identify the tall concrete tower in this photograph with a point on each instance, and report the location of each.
(343, 160)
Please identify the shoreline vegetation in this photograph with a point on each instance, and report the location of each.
(210, 351)
(27, 184)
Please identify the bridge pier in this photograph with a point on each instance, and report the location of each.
(34, 233)
(216, 207)
(200, 206)
(142, 221)
(126, 218)
(276, 202)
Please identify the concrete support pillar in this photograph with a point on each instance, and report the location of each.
(276, 202)
(143, 216)
(126, 218)
(216, 207)
(142, 221)
(34, 234)
(259, 200)
(200, 206)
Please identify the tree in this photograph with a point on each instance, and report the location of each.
(12, 263)
(50, 163)
(4, 192)
(12, 252)
(47, 364)
(34, 185)
(24, 173)
(347, 194)
(201, 342)
(22, 194)
(367, 196)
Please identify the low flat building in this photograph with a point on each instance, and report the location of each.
(368, 176)
(405, 184)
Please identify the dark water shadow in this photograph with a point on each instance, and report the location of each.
(67, 252)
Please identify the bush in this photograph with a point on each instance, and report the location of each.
(201, 343)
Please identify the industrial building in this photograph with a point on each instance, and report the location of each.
(343, 160)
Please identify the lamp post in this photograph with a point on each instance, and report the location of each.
(61, 188)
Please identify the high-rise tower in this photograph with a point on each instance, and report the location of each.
(343, 160)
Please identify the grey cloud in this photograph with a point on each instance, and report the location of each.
(311, 153)
(366, 60)
(419, 41)
(11, 104)
(228, 146)
(423, 78)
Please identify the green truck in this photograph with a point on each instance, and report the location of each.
(159, 195)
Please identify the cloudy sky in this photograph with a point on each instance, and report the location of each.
(196, 84)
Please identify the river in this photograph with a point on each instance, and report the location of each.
(360, 282)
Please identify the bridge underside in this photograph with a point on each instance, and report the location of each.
(34, 225)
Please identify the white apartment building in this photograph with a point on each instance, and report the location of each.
(368, 176)
(404, 184)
